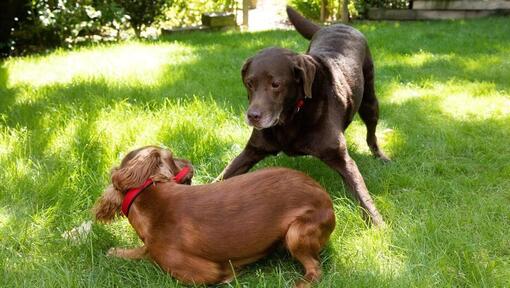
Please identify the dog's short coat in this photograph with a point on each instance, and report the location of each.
(301, 104)
(202, 234)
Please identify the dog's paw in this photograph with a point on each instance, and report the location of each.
(385, 159)
(112, 252)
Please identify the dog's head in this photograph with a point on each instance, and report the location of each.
(136, 167)
(275, 79)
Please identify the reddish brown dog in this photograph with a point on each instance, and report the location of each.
(202, 234)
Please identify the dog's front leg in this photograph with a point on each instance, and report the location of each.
(133, 253)
(242, 163)
(338, 158)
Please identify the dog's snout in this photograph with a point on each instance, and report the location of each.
(254, 115)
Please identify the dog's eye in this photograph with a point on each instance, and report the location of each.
(275, 85)
(249, 84)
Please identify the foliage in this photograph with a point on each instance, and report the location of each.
(142, 13)
(390, 4)
(67, 117)
(312, 8)
(51, 23)
(189, 12)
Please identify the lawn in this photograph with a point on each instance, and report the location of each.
(444, 87)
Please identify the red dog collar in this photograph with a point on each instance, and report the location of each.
(178, 178)
(132, 193)
(299, 104)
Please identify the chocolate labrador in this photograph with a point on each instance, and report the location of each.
(301, 104)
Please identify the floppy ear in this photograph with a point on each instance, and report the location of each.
(108, 205)
(305, 67)
(246, 65)
(142, 166)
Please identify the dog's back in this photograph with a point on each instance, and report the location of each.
(331, 41)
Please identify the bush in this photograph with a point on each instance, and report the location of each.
(52, 23)
(47, 24)
(393, 4)
(311, 9)
(142, 13)
(189, 12)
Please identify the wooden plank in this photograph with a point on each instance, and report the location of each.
(166, 31)
(461, 5)
(218, 19)
(405, 14)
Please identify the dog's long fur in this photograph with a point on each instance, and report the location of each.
(199, 234)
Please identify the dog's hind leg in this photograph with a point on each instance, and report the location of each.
(193, 270)
(304, 239)
(369, 108)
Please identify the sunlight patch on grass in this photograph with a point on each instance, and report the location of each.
(183, 127)
(356, 136)
(135, 63)
(5, 217)
(400, 93)
(373, 250)
(12, 140)
(458, 99)
(414, 60)
(127, 123)
(60, 141)
(420, 58)
(488, 63)
(467, 107)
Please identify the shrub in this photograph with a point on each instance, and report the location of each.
(52, 23)
(46, 24)
(142, 13)
(311, 9)
(189, 12)
(393, 4)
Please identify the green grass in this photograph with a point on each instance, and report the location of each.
(444, 90)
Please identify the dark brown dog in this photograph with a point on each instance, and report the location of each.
(301, 104)
(202, 234)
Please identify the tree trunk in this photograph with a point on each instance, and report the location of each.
(345, 11)
(246, 4)
(138, 30)
(324, 10)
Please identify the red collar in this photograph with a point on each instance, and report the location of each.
(184, 171)
(299, 104)
(132, 193)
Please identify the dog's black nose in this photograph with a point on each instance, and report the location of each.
(254, 115)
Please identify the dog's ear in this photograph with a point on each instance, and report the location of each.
(108, 205)
(305, 68)
(245, 67)
(137, 170)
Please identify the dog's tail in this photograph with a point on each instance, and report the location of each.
(304, 26)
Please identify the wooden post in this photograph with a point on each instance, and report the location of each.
(324, 10)
(246, 4)
(345, 11)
